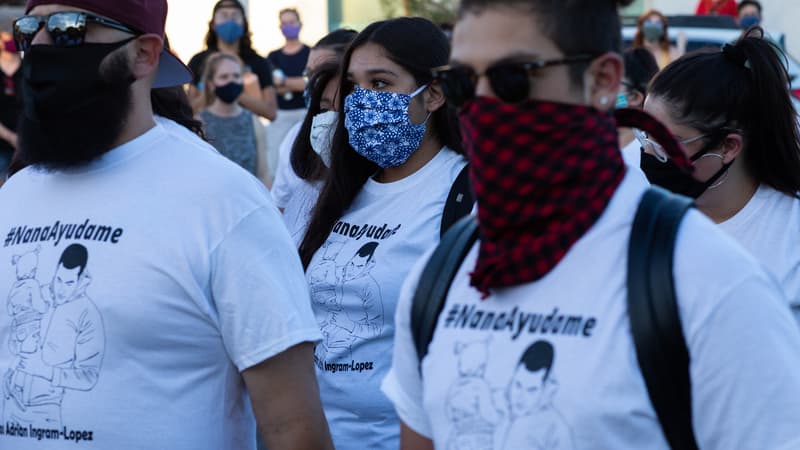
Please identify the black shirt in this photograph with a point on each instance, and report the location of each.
(292, 66)
(253, 63)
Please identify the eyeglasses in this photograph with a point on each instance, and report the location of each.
(511, 82)
(658, 151)
(66, 28)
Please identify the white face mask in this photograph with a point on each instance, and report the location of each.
(322, 128)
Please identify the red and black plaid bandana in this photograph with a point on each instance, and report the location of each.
(543, 173)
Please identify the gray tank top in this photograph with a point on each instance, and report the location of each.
(234, 137)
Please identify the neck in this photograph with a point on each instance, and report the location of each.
(427, 150)
(727, 199)
(292, 45)
(625, 136)
(220, 108)
(225, 47)
(9, 62)
(140, 120)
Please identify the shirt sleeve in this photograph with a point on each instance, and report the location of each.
(743, 341)
(285, 178)
(403, 383)
(263, 70)
(260, 290)
(196, 66)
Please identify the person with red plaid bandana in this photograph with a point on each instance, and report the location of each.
(533, 347)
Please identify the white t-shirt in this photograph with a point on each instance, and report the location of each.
(139, 287)
(769, 227)
(551, 364)
(632, 154)
(291, 193)
(355, 280)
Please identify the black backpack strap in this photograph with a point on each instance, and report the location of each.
(653, 311)
(434, 283)
(459, 202)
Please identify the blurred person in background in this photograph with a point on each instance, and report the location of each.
(288, 64)
(234, 131)
(640, 68)
(10, 100)
(229, 32)
(652, 33)
(733, 112)
(716, 8)
(748, 13)
(300, 171)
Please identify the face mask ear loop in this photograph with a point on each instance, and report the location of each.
(722, 174)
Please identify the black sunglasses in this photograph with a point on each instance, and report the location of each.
(511, 81)
(66, 28)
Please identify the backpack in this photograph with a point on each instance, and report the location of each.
(652, 307)
(459, 203)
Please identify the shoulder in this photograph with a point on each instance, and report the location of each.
(258, 64)
(453, 162)
(710, 268)
(203, 162)
(198, 59)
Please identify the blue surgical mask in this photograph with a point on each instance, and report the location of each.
(622, 101)
(230, 31)
(749, 21)
(379, 127)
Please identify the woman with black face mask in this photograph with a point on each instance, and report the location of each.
(733, 113)
(230, 128)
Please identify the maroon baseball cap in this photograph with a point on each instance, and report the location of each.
(145, 16)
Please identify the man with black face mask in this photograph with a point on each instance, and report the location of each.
(201, 306)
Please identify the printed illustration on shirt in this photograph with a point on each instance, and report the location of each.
(329, 280)
(470, 406)
(57, 339)
(518, 415)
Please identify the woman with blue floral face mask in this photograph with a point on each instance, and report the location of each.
(394, 159)
(229, 32)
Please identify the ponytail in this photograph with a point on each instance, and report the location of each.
(744, 87)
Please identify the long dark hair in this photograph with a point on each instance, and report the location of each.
(745, 88)
(418, 46)
(576, 26)
(306, 163)
(172, 103)
(640, 68)
(245, 43)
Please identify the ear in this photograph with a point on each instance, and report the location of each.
(636, 99)
(603, 81)
(732, 147)
(434, 97)
(147, 50)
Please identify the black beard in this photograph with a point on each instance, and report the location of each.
(83, 134)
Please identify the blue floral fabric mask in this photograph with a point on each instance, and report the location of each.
(379, 127)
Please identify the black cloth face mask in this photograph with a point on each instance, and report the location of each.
(230, 92)
(72, 113)
(668, 175)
